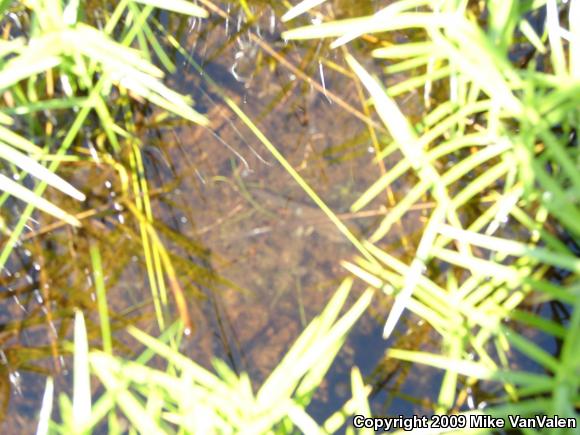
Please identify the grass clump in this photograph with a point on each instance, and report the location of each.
(508, 122)
(70, 78)
(184, 397)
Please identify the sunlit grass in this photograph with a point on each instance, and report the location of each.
(522, 147)
(188, 398)
(73, 70)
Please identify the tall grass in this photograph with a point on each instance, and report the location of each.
(508, 123)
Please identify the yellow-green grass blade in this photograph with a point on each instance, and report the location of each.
(26, 66)
(511, 247)
(379, 18)
(475, 369)
(128, 67)
(401, 130)
(46, 408)
(39, 171)
(81, 376)
(404, 165)
(317, 373)
(34, 200)
(364, 25)
(156, 92)
(455, 346)
(574, 49)
(470, 52)
(158, 289)
(409, 65)
(96, 46)
(358, 404)
(554, 36)
(15, 140)
(529, 32)
(64, 146)
(99, 283)
(198, 373)
(317, 329)
(113, 378)
(281, 384)
(438, 316)
(503, 16)
(25, 108)
(11, 46)
(539, 323)
(303, 421)
(417, 268)
(300, 8)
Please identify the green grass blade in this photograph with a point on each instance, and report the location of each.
(101, 299)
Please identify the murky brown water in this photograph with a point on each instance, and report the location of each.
(256, 259)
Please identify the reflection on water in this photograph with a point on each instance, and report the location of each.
(256, 259)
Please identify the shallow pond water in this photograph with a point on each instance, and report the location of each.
(256, 258)
(261, 231)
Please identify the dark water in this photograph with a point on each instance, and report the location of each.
(256, 259)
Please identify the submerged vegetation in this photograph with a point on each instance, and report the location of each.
(482, 188)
